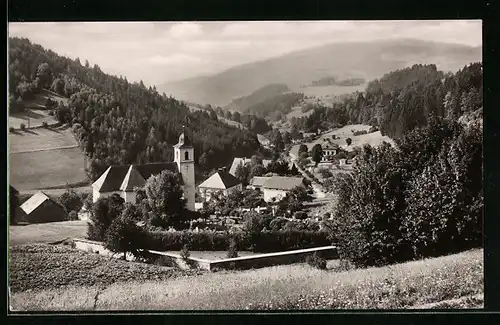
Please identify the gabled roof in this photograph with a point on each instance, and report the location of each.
(259, 180)
(283, 183)
(220, 180)
(132, 179)
(126, 177)
(243, 161)
(35, 201)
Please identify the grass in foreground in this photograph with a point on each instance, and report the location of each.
(40, 267)
(282, 287)
(46, 232)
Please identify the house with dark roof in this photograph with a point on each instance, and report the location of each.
(242, 161)
(257, 182)
(41, 208)
(124, 179)
(276, 187)
(220, 182)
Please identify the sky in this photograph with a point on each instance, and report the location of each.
(158, 52)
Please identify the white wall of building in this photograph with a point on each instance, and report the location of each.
(186, 168)
(273, 193)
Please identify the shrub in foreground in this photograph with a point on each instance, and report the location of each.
(316, 260)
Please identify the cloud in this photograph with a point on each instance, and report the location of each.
(160, 51)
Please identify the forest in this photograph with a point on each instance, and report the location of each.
(117, 121)
(403, 100)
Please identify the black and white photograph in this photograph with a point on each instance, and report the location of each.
(245, 165)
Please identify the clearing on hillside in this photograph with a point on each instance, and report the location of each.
(35, 111)
(41, 139)
(47, 169)
(341, 134)
(329, 91)
(45, 158)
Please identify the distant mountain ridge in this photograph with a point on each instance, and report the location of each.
(367, 60)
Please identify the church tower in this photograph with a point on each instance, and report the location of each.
(184, 158)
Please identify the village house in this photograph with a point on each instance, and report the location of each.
(124, 179)
(257, 182)
(242, 161)
(220, 182)
(41, 208)
(329, 150)
(277, 186)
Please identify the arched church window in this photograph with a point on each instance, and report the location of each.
(186, 155)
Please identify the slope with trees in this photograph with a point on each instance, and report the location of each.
(118, 122)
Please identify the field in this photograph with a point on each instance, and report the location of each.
(46, 232)
(45, 158)
(41, 139)
(46, 169)
(373, 139)
(38, 267)
(298, 286)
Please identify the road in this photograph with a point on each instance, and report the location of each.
(319, 193)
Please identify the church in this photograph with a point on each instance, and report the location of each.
(122, 179)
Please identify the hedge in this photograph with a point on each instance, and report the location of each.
(260, 242)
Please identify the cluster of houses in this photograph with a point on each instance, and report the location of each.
(122, 180)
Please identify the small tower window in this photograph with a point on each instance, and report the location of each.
(186, 155)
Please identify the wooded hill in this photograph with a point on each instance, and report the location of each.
(116, 121)
(403, 100)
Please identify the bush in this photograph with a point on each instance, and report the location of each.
(23, 126)
(45, 124)
(316, 260)
(124, 235)
(51, 112)
(185, 254)
(103, 212)
(73, 215)
(300, 215)
(11, 129)
(262, 242)
(355, 133)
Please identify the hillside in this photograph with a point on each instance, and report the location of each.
(117, 122)
(367, 60)
(257, 96)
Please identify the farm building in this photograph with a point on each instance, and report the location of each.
(277, 187)
(242, 161)
(123, 179)
(222, 182)
(329, 150)
(257, 182)
(41, 208)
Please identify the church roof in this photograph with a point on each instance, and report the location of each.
(184, 141)
(126, 177)
(221, 180)
(242, 161)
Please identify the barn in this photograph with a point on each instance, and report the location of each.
(41, 208)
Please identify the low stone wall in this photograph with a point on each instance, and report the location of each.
(271, 259)
(244, 262)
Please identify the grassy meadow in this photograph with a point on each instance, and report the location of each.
(458, 278)
(46, 232)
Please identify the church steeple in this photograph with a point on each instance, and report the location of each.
(184, 140)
